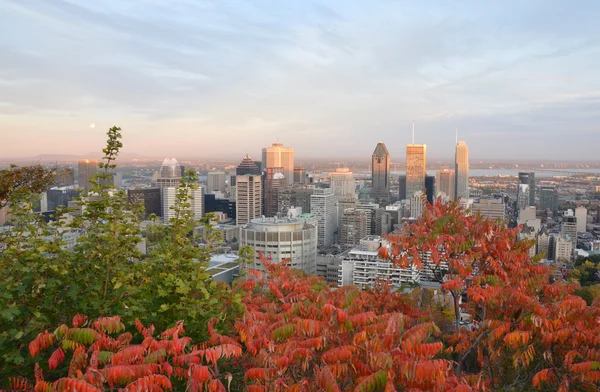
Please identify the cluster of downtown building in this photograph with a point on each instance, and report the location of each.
(334, 223)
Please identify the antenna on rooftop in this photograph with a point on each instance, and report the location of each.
(413, 132)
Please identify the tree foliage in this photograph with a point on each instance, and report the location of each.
(21, 180)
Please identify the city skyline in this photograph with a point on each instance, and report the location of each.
(312, 74)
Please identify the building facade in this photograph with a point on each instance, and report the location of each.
(279, 156)
(249, 198)
(322, 208)
(416, 158)
(86, 170)
(274, 181)
(380, 174)
(445, 183)
(342, 184)
(149, 197)
(215, 182)
(491, 208)
(461, 171)
(354, 226)
(293, 240)
(169, 174)
(528, 178)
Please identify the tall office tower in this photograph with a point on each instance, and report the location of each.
(322, 208)
(354, 226)
(380, 174)
(445, 183)
(461, 171)
(274, 180)
(528, 178)
(341, 206)
(247, 167)
(216, 181)
(282, 238)
(417, 204)
(87, 169)
(301, 198)
(569, 227)
(402, 187)
(430, 188)
(342, 184)
(248, 198)
(169, 195)
(522, 197)
(169, 174)
(279, 156)
(284, 200)
(65, 176)
(581, 215)
(416, 157)
(149, 197)
(549, 199)
(299, 175)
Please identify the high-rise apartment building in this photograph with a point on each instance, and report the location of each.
(380, 174)
(563, 248)
(216, 181)
(247, 167)
(279, 156)
(323, 209)
(169, 174)
(86, 170)
(342, 184)
(354, 226)
(549, 199)
(445, 183)
(416, 158)
(461, 171)
(375, 213)
(528, 178)
(249, 198)
(274, 181)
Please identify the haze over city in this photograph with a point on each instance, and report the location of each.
(330, 78)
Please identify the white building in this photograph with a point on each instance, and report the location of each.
(417, 204)
(362, 266)
(322, 207)
(461, 169)
(280, 239)
(169, 174)
(248, 198)
(444, 182)
(522, 197)
(169, 195)
(563, 249)
(490, 208)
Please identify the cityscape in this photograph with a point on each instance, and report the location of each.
(299, 196)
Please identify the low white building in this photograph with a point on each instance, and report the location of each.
(363, 267)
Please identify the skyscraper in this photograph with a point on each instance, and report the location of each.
(522, 197)
(430, 188)
(249, 197)
(581, 215)
(169, 195)
(445, 183)
(342, 184)
(549, 199)
(416, 157)
(169, 174)
(216, 182)
(274, 181)
(529, 179)
(380, 174)
(322, 208)
(299, 175)
(247, 167)
(279, 156)
(402, 187)
(461, 171)
(87, 169)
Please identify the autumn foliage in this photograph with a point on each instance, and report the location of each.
(297, 333)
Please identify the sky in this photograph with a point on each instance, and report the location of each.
(192, 78)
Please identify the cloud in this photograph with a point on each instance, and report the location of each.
(320, 75)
